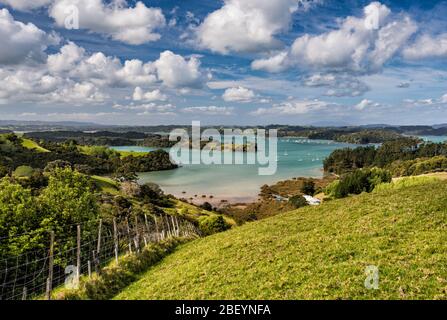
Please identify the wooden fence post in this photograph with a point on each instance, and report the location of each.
(89, 268)
(115, 239)
(24, 293)
(50, 267)
(137, 235)
(78, 254)
(174, 228)
(98, 249)
(128, 235)
(157, 235)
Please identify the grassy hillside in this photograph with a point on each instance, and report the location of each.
(317, 252)
(30, 144)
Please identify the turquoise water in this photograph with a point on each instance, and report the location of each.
(297, 157)
(435, 139)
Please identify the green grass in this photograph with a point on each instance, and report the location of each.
(405, 182)
(30, 144)
(124, 154)
(317, 253)
(185, 209)
(106, 184)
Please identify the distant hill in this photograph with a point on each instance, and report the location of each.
(317, 253)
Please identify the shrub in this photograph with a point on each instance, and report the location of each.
(207, 206)
(361, 180)
(298, 201)
(308, 187)
(23, 172)
(213, 224)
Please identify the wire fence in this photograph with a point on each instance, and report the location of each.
(90, 246)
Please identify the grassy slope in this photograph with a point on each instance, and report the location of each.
(30, 144)
(317, 252)
(106, 184)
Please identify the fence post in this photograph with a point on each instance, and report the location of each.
(98, 249)
(78, 254)
(147, 226)
(157, 235)
(128, 235)
(24, 293)
(115, 239)
(95, 261)
(174, 228)
(50, 267)
(178, 226)
(89, 268)
(137, 235)
(169, 227)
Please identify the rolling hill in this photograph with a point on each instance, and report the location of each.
(317, 253)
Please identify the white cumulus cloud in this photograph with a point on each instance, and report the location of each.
(132, 25)
(177, 72)
(247, 25)
(356, 46)
(427, 46)
(25, 5)
(20, 42)
(155, 95)
(238, 94)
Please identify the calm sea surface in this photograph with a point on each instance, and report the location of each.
(297, 157)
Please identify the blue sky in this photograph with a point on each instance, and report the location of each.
(224, 62)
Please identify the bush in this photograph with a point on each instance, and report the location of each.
(207, 206)
(213, 224)
(308, 187)
(298, 201)
(361, 180)
(23, 172)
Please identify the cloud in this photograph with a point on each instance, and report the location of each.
(27, 84)
(436, 102)
(74, 62)
(148, 108)
(73, 75)
(403, 85)
(155, 95)
(293, 107)
(356, 46)
(78, 93)
(131, 25)
(25, 5)
(427, 46)
(365, 103)
(22, 43)
(177, 72)
(238, 94)
(210, 110)
(247, 25)
(340, 85)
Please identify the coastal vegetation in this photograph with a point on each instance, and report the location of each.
(406, 149)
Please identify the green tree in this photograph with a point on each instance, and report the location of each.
(19, 219)
(68, 200)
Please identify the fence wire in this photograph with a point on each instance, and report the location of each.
(92, 245)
